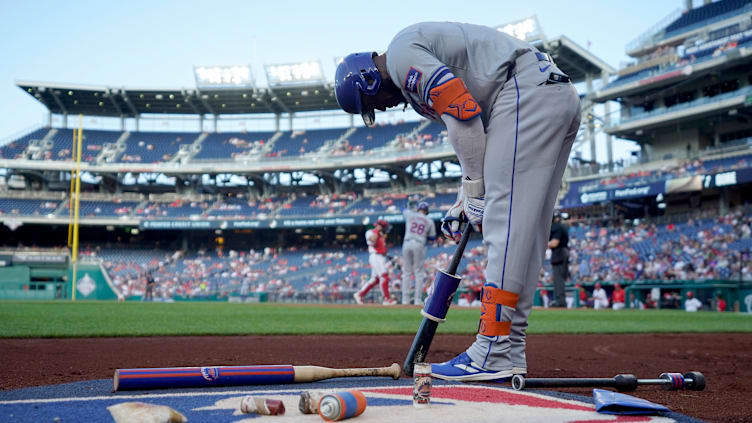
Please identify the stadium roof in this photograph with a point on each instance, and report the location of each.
(95, 100)
(574, 60)
(131, 102)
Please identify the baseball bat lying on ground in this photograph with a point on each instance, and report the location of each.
(694, 381)
(191, 377)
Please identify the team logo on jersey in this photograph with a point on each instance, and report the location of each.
(412, 80)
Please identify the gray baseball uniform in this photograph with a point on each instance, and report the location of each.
(418, 228)
(530, 114)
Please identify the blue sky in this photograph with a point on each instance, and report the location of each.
(156, 43)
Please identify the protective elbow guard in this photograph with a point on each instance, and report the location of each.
(444, 288)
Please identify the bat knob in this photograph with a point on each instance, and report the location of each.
(395, 371)
(518, 382)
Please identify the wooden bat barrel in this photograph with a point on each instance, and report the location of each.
(193, 377)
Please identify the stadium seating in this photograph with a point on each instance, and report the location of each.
(693, 167)
(386, 203)
(692, 249)
(440, 202)
(365, 138)
(27, 207)
(317, 205)
(176, 209)
(94, 209)
(296, 143)
(153, 147)
(93, 140)
(232, 145)
(707, 14)
(242, 208)
(693, 59)
(680, 106)
(14, 148)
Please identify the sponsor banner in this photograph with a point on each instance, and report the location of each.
(594, 197)
(718, 43)
(292, 222)
(669, 186)
(40, 259)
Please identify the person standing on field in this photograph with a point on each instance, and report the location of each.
(376, 241)
(418, 229)
(511, 116)
(558, 242)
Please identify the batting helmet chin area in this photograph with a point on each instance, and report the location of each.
(357, 75)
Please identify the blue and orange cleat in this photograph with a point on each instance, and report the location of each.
(463, 369)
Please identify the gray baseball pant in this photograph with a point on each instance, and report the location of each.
(530, 134)
(413, 264)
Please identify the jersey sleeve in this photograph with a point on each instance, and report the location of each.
(416, 70)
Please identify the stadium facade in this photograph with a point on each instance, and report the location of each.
(685, 100)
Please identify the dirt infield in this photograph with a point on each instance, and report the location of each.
(725, 359)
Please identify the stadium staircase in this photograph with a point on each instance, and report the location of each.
(111, 151)
(269, 144)
(37, 148)
(62, 207)
(331, 145)
(188, 151)
(339, 142)
(134, 213)
(346, 209)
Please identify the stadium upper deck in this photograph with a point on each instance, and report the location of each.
(690, 87)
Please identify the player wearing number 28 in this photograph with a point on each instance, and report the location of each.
(418, 229)
(511, 115)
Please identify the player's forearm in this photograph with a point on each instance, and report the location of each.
(553, 243)
(469, 142)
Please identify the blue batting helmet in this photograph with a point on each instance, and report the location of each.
(423, 206)
(356, 75)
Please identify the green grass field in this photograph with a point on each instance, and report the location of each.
(91, 319)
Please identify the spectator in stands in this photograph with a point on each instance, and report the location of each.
(618, 297)
(599, 298)
(692, 304)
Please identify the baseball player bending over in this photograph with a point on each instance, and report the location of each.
(512, 116)
(418, 228)
(376, 240)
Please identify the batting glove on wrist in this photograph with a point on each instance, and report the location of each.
(469, 207)
(474, 203)
(453, 219)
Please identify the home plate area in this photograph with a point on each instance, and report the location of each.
(386, 402)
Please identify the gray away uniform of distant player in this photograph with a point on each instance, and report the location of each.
(530, 115)
(418, 228)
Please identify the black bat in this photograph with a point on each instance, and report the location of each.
(694, 381)
(424, 337)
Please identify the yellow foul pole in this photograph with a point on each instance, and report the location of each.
(72, 187)
(77, 204)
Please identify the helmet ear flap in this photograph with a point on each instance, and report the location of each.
(357, 75)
